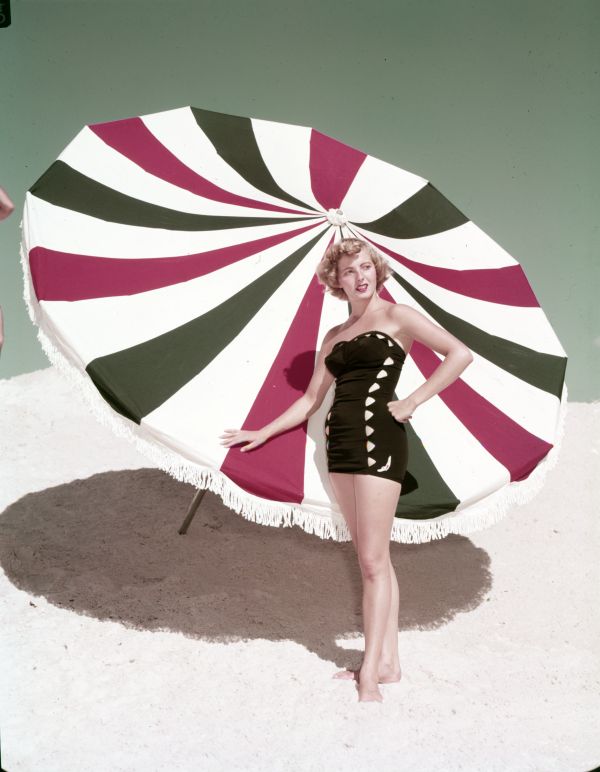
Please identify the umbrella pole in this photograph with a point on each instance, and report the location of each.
(192, 510)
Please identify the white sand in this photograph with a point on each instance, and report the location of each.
(499, 637)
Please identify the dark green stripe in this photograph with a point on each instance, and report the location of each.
(233, 139)
(64, 186)
(424, 493)
(424, 214)
(545, 371)
(139, 379)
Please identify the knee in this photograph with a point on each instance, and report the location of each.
(373, 566)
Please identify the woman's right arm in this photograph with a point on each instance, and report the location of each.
(298, 411)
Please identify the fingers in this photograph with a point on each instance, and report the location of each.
(396, 411)
(230, 437)
(404, 420)
(251, 445)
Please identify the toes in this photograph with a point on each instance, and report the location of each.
(346, 675)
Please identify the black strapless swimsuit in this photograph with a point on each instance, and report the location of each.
(362, 435)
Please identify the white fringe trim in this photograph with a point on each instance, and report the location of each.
(325, 524)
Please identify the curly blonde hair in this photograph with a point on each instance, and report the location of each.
(328, 265)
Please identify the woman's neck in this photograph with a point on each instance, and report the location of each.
(364, 308)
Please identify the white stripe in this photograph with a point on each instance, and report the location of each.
(102, 326)
(465, 465)
(378, 188)
(64, 230)
(286, 151)
(178, 131)
(462, 248)
(316, 484)
(221, 396)
(91, 156)
(534, 409)
(526, 326)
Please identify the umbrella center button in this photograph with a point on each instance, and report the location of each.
(337, 217)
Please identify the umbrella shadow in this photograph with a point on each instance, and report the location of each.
(107, 546)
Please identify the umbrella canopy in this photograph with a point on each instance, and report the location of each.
(170, 267)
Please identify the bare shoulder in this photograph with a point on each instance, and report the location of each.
(411, 322)
(401, 314)
(330, 336)
(331, 333)
(397, 316)
(401, 309)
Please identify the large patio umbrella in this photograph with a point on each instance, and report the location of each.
(170, 262)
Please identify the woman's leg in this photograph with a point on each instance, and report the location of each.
(376, 500)
(343, 488)
(389, 666)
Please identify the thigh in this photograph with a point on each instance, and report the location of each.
(343, 488)
(376, 501)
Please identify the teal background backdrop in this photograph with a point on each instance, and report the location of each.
(496, 103)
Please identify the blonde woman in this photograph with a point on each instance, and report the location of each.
(365, 431)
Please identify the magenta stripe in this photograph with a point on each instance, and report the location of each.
(507, 285)
(384, 293)
(132, 138)
(333, 167)
(66, 276)
(275, 470)
(508, 442)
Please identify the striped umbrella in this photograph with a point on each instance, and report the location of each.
(170, 268)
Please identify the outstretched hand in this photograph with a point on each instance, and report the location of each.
(235, 436)
(402, 409)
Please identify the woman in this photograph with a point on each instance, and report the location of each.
(366, 436)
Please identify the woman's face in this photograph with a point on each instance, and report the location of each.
(356, 275)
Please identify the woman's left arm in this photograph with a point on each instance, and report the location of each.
(456, 358)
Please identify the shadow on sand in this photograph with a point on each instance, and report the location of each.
(108, 547)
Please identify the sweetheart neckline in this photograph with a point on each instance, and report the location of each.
(370, 332)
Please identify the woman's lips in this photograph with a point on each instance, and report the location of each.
(362, 288)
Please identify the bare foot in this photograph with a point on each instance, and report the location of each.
(386, 675)
(346, 675)
(389, 674)
(368, 691)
